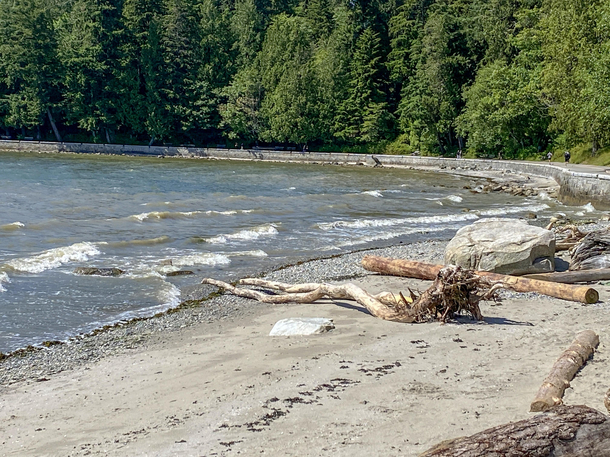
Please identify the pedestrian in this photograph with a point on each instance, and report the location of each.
(459, 154)
(566, 156)
(549, 156)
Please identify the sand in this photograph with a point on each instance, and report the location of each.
(369, 387)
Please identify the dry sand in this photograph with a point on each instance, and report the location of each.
(367, 388)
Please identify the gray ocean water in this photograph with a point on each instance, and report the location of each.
(223, 219)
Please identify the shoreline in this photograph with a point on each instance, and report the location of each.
(578, 184)
(217, 384)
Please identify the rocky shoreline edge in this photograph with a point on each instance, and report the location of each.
(201, 304)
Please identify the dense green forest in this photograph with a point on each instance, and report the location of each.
(510, 77)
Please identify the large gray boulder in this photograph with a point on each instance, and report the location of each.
(507, 246)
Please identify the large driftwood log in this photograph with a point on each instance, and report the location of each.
(421, 270)
(454, 290)
(563, 371)
(563, 431)
(572, 277)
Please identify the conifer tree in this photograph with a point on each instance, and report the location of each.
(364, 116)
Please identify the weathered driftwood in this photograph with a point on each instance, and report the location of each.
(453, 291)
(563, 371)
(562, 431)
(572, 277)
(593, 252)
(421, 270)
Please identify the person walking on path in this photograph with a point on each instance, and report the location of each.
(549, 156)
(566, 156)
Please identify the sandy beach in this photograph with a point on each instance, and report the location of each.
(222, 386)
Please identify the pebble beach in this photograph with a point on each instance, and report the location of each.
(206, 379)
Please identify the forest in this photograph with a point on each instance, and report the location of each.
(492, 77)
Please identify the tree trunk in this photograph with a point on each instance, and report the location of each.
(440, 143)
(421, 270)
(53, 126)
(572, 277)
(594, 146)
(563, 371)
(563, 431)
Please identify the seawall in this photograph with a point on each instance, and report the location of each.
(575, 186)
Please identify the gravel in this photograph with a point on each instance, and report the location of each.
(37, 364)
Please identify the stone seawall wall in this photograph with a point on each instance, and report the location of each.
(575, 187)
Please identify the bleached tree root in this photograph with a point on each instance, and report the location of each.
(384, 306)
(453, 291)
(562, 431)
(563, 371)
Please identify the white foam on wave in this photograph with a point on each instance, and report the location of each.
(589, 208)
(54, 258)
(512, 210)
(163, 215)
(250, 234)
(4, 279)
(367, 223)
(454, 198)
(159, 215)
(12, 226)
(373, 193)
(386, 236)
(202, 258)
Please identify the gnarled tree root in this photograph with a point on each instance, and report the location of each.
(454, 290)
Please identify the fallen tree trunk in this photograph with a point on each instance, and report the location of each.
(563, 371)
(572, 277)
(563, 431)
(421, 270)
(454, 290)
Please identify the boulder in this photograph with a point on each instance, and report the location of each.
(301, 326)
(506, 246)
(92, 271)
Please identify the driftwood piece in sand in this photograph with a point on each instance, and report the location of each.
(454, 290)
(572, 277)
(421, 270)
(563, 371)
(563, 431)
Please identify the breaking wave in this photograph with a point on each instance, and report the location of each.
(251, 234)
(12, 226)
(367, 223)
(3, 279)
(54, 258)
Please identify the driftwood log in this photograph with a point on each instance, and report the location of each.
(421, 270)
(453, 291)
(593, 252)
(562, 431)
(572, 277)
(564, 370)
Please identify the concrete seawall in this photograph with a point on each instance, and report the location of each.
(575, 186)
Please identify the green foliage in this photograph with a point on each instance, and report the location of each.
(516, 77)
(27, 62)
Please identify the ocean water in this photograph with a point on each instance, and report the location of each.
(223, 219)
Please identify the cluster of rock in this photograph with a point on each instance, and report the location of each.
(513, 188)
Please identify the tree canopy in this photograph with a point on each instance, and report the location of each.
(510, 77)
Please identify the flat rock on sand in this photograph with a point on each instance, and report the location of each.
(370, 387)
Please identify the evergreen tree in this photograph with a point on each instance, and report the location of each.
(364, 116)
(28, 63)
(87, 43)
